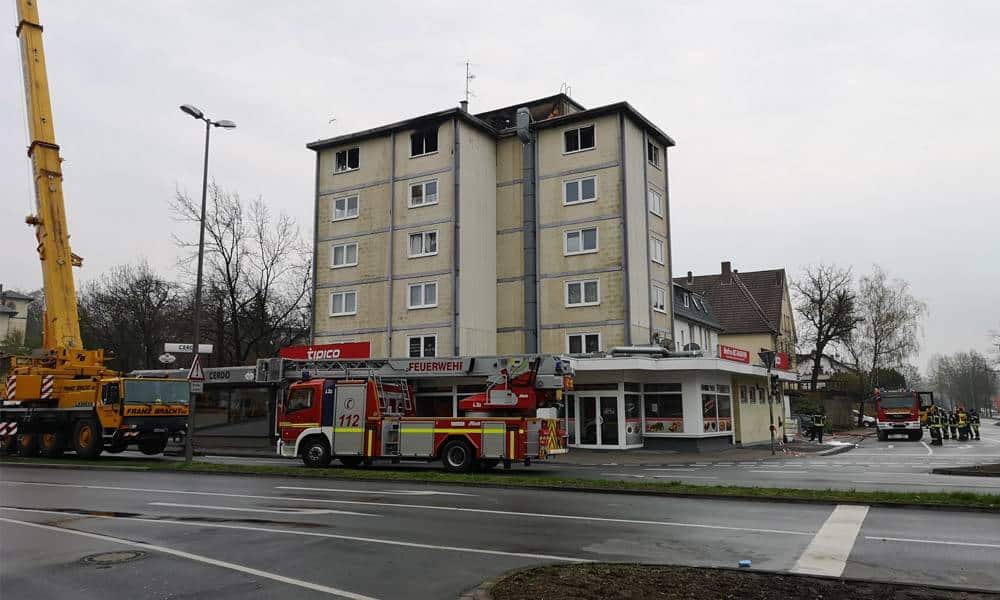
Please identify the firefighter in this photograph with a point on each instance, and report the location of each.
(816, 427)
(974, 423)
(943, 413)
(934, 423)
(953, 424)
(963, 424)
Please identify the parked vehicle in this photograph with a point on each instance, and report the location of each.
(898, 413)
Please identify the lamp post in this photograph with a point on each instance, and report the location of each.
(209, 124)
(767, 357)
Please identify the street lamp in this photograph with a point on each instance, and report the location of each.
(767, 357)
(209, 124)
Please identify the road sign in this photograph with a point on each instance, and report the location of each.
(196, 373)
(197, 387)
(187, 348)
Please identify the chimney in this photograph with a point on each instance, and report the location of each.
(464, 105)
(690, 279)
(727, 272)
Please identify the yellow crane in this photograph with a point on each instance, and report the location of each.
(64, 397)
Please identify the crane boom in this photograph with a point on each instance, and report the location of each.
(61, 328)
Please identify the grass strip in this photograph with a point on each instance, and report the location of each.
(540, 480)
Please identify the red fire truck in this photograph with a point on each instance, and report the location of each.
(898, 413)
(359, 411)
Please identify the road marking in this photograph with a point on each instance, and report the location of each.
(941, 542)
(380, 492)
(782, 472)
(317, 534)
(929, 450)
(960, 485)
(677, 477)
(669, 469)
(624, 475)
(274, 511)
(828, 551)
(76, 466)
(195, 557)
(412, 506)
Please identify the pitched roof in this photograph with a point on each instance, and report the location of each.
(699, 310)
(744, 302)
(9, 295)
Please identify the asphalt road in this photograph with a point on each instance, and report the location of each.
(208, 536)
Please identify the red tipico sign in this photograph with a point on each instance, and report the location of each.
(781, 361)
(734, 354)
(345, 350)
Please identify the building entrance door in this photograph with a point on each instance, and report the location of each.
(598, 420)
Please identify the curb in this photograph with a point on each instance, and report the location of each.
(542, 488)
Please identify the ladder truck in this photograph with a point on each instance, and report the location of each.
(361, 411)
(63, 397)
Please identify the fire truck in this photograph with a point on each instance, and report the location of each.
(898, 413)
(361, 411)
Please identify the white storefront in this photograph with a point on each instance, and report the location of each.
(639, 401)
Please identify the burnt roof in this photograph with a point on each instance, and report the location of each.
(704, 314)
(411, 123)
(540, 109)
(599, 111)
(745, 302)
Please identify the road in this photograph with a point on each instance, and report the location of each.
(223, 536)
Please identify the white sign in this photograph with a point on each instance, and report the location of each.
(196, 373)
(187, 348)
(197, 387)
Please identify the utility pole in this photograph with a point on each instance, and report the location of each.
(767, 357)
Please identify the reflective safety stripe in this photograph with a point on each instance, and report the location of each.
(441, 430)
(288, 424)
(512, 455)
(369, 452)
(347, 430)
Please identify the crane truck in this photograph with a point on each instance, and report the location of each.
(64, 397)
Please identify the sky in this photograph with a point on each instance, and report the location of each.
(844, 132)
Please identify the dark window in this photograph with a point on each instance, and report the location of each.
(424, 142)
(422, 346)
(584, 343)
(579, 139)
(299, 399)
(348, 160)
(653, 153)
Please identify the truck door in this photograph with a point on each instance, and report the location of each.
(110, 405)
(349, 419)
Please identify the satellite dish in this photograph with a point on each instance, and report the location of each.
(167, 358)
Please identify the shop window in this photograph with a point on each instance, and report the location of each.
(716, 405)
(633, 387)
(664, 408)
(633, 419)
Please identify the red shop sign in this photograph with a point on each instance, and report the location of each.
(781, 361)
(734, 354)
(344, 350)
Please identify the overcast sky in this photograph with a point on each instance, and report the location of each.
(846, 132)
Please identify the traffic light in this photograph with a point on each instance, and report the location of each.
(775, 386)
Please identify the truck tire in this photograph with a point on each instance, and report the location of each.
(27, 444)
(51, 444)
(315, 452)
(916, 436)
(882, 436)
(8, 444)
(151, 446)
(350, 461)
(458, 456)
(87, 442)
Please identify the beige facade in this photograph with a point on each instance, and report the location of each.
(590, 222)
(13, 315)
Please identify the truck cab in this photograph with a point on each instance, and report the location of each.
(898, 413)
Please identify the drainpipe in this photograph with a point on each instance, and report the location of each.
(392, 233)
(455, 256)
(669, 249)
(315, 259)
(624, 208)
(645, 212)
(529, 238)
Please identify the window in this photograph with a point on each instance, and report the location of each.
(299, 399)
(659, 299)
(345, 208)
(580, 241)
(752, 393)
(697, 303)
(583, 343)
(422, 346)
(423, 142)
(344, 255)
(576, 140)
(583, 293)
(687, 300)
(423, 295)
(744, 394)
(716, 408)
(655, 202)
(343, 303)
(579, 191)
(664, 408)
(348, 160)
(653, 154)
(424, 193)
(424, 243)
(656, 251)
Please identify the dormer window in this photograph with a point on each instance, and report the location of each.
(687, 300)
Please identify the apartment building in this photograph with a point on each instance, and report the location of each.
(13, 314)
(456, 234)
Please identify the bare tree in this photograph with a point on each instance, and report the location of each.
(825, 303)
(257, 274)
(964, 379)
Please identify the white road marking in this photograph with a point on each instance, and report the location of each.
(624, 475)
(197, 558)
(959, 485)
(76, 466)
(669, 469)
(783, 472)
(929, 450)
(828, 551)
(318, 534)
(379, 492)
(678, 477)
(273, 511)
(413, 506)
(941, 542)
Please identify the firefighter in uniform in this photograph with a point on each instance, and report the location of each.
(953, 423)
(963, 424)
(974, 423)
(816, 427)
(934, 424)
(944, 423)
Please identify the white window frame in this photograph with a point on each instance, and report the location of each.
(579, 182)
(357, 210)
(583, 341)
(655, 207)
(583, 298)
(655, 161)
(423, 193)
(344, 293)
(577, 129)
(653, 242)
(657, 290)
(597, 241)
(337, 171)
(687, 300)
(423, 243)
(422, 338)
(437, 132)
(333, 253)
(423, 295)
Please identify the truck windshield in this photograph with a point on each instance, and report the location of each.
(896, 401)
(156, 391)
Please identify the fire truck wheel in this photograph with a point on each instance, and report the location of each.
(350, 461)
(27, 444)
(489, 463)
(151, 446)
(51, 444)
(882, 436)
(87, 440)
(316, 452)
(8, 444)
(457, 456)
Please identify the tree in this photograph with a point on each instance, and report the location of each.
(964, 379)
(825, 303)
(257, 275)
(130, 312)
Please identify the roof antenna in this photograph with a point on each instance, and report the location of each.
(566, 89)
(469, 76)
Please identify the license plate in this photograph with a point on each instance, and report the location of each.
(160, 430)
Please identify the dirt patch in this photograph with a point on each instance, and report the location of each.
(977, 470)
(632, 581)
